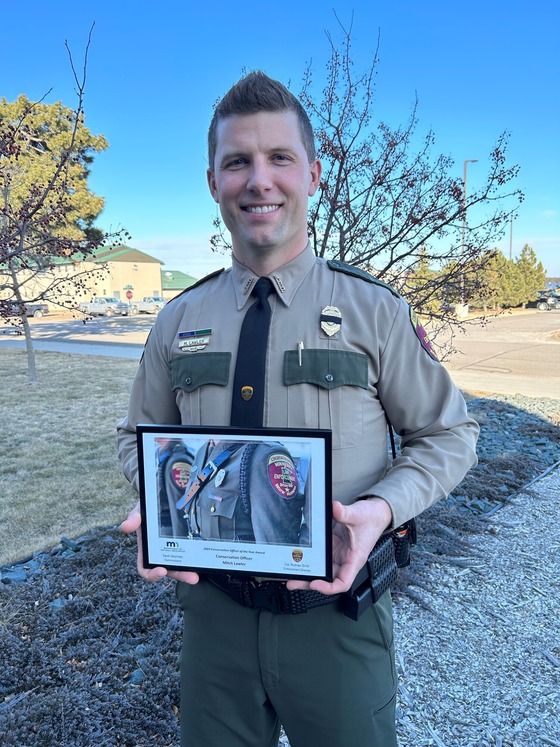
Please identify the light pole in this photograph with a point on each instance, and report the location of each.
(465, 163)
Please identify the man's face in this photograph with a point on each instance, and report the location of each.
(262, 180)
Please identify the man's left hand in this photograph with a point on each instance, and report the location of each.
(357, 529)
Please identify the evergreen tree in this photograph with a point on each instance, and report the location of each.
(532, 275)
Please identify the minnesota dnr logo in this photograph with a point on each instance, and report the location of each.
(297, 556)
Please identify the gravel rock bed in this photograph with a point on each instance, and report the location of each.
(90, 652)
(481, 665)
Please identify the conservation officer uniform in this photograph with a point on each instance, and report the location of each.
(343, 352)
(252, 494)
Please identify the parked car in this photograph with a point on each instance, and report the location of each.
(106, 306)
(547, 299)
(36, 310)
(150, 305)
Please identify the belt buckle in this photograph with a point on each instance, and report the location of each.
(264, 594)
(208, 472)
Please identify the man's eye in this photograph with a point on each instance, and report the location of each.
(236, 162)
(280, 157)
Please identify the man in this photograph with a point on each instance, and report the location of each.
(342, 353)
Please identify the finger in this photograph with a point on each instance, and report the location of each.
(133, 520)
(339, 512)
(297, 585)
(187, 577)
(338, 586)
(152, 574)
(149, 574)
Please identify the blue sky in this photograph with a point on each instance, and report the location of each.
(155, 70)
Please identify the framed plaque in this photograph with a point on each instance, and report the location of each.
(236, 500)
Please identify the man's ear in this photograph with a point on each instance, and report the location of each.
(212, 185)
(315, 170)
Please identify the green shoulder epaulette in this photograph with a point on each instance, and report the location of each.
(336, 264)
(198, 282)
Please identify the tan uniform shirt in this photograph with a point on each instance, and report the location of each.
(373, 363)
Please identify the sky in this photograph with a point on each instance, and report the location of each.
(155, 70)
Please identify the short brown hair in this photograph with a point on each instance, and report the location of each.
(256, 92)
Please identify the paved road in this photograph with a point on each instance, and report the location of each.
(113, 337)
(513, 353)
(510, 354)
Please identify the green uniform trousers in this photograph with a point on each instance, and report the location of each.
(329, 680)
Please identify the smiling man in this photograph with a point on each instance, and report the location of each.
(262, 179)
(343, 352)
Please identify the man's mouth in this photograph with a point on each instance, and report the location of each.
(260, 209)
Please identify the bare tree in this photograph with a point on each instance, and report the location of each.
(46, 209)
(389, 206)
(386, 206)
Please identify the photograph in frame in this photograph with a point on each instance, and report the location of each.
(236, 500)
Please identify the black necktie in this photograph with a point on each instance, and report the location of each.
(248, 383)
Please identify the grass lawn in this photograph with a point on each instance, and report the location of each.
(59, 474)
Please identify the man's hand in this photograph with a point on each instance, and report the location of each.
(357, 529)
(132, 524)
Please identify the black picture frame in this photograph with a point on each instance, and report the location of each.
(268, 491)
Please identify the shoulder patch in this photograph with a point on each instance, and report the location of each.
(180, 473)
(282, 475)
(198, 282)
(338, 266)
(422, 335)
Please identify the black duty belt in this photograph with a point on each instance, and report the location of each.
(270, 595)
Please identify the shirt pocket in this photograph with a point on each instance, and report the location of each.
(215, 510)
(194, 370)
(328, 389)
(200, 381)
(220, 516)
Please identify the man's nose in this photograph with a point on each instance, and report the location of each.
(259, 178)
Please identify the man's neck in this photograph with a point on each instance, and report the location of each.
(266, 263)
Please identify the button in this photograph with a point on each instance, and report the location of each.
(188, 381)
(329, 377)
(212, 509)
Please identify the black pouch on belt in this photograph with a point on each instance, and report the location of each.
(378, 574)
(403, 539)
(392, 551)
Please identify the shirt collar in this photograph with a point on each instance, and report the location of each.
(286, 279)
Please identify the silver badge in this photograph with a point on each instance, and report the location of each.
(331, 319)
(219, 478)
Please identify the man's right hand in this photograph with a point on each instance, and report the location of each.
(132, 524)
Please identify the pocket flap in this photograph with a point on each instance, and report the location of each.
(193, 370)
(328, 369)
(218, 503)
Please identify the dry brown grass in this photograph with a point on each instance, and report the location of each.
(59, 474)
